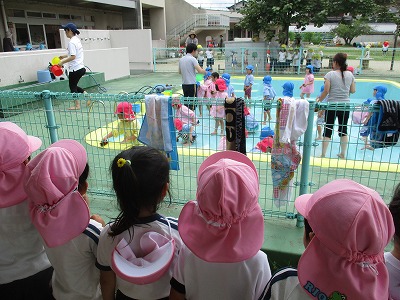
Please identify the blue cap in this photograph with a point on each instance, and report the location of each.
(267, 79)
(208, 69)
(206, 75)
(380, 92)
(311, 68)
(288, 89)
(227, 78)
(250, 67)
(72, 27)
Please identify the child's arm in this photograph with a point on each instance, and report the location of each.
(107, 284)
(106, 137)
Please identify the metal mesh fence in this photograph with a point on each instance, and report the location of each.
(46, 115)
(365, 61)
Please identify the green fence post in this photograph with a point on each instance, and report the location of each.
(51, 121)
(305, 164)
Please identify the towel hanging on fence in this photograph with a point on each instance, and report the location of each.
(384, 126)
(158, 129)
(235, 125)
(291, 123)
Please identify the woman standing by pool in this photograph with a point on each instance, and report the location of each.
(339, 83)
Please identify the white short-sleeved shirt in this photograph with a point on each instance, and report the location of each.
(339, 87)
(393, 266)
(75, 274)
(21, 248)
(284, 285)
(75, 48)
(157, 223)
(201, 280)
(187, 66)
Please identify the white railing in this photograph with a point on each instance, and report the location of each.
(200, 20)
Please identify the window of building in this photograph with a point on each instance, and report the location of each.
(73, 17)
(146, 19)
(18, 13)
(34, 14)
(66, 17)
(49, 16)
(37, 34)
(22, 34)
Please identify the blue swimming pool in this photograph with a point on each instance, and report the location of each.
(364, 87)
(364, 90)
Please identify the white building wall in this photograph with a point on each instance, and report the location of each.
(113, 62)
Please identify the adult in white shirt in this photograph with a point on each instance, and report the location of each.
(74, 58)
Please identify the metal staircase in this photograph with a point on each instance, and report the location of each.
(197, 23)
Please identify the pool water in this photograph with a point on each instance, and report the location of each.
(364, 88)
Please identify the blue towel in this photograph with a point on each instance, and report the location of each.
(158, 129)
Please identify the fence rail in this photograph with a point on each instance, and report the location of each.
(46, 115)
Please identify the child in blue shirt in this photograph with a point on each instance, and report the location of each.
(248, 82)
(269, 95)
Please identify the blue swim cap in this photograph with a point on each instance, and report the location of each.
(381, 91)
(227, 78)
(288, 89)
(311, 68)
(250, 67)
(208, 74)
(267, 79)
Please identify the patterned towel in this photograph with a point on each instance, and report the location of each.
(285, 158)
(235, 126)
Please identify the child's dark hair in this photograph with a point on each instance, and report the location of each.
(394, 207)
(83, 178)
(340, 59)
(191, 47)
(307, 229)
(139, 175)
(215, 74)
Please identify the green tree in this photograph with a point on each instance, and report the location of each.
(268, 15)
(350, 30)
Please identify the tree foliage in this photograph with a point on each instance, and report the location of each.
(349, 31)
(267, 15)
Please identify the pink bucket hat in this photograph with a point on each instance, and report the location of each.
(352, 226)
(221, 84)
(57, 209)
(16, 147)
(126, 109)
(226, 223)
(150, 264)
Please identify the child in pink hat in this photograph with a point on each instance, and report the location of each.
(347, 227)
(393, 258)
(223, 231)
(57, 187)
(127, 125)
(217, 111)
(137, 252)
(25, 271)
(188, 120)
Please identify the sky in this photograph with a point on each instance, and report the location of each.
(212, 4)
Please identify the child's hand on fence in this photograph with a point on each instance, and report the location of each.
(99, 219)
